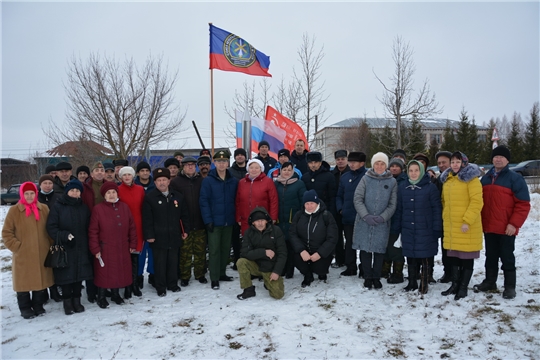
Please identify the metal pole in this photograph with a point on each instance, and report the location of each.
(198, 135)
(246, 132)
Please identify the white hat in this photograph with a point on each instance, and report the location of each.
(126, 170)
(380, 156)
(257, 161)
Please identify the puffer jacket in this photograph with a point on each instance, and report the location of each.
(259, 192)
(217, 199)
(375, 195)
(324, 184)
(345, 195)
(462, 204)
(315, 233)
(290, 201)
(418, 218)
(255, 243)
(133, 196)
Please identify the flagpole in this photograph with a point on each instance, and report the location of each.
(212, 106)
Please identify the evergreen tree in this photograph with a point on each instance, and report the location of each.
(532, 135)
(515, 139)
(417, 140)
(486, 146)
(467, 136)
(449, 138)
(383, 141)
(432, 151)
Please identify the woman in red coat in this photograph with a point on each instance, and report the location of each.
(254, 190)
(133, 195)
(112, 238)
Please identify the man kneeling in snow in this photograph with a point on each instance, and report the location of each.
(263, 253)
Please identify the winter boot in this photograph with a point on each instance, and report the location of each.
(55, 295)
(77, 307)
(386, 266)
(140, 281)
(151, 280)
(411, 271)
(490, 282)
(466, 275)
(455, 277)
(38, 299)
(68, 306)
(424, 280)
(25, 305)
(377, 284)
(447, 277)
(509, 284)
(397, 274)
(115, 296)
(134, 269)
(248, 292)
(308, 279)
(431, 265)
(128, 292)
(102, 299)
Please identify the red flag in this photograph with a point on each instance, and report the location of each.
(294, 131)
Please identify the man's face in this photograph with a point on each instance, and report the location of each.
(443, 163)
(162, 184)
(204, 168)
(46, 186)
(395, 170)
(190, 168)
(221, 164)
(109, 175)
(283, 159)
(53, 173)
(240, 159)
(499, 162)
(64, 175)
(173, 169)
(314, 165)
(299, 147)
(117, 169)
(179, 158)
(341, 162)
(355, 165)
(260, 224)
(264, 150)
(98, 174)
(82, 176)
(144, 174)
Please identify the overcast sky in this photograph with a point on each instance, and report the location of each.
(481, 56)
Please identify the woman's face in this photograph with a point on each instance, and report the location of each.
(310, 206)
(287, 172)
(29, 196)
(455, 164)
(82, 176)
(46, 186)
(414, 172)
(127, 178)
(379, 167)
(254, 170)
(111, 195)
(74, 193)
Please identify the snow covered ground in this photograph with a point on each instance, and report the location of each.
(339, 319)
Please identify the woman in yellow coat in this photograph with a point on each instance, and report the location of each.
(462, 204)
(24, 233)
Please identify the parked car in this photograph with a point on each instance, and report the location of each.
(12, 195)
(527, 168)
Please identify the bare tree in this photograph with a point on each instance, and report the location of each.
(288, 100)
(121, 106)
(356, 138)
(399, 99)
(311, 88)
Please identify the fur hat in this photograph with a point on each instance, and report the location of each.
(501, 150)
(313, 156)
(380, 156)
(108, 185)
(73, 184)
(357, 156)
(120, 162)
(257, 161)
(172, 161)
(310, 195)
(161, 172)
(126, 170)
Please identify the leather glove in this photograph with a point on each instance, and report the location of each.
(209, 227)
(379, 219)
(370, 219)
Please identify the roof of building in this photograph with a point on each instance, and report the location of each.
(379, 123)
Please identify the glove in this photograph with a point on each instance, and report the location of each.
(437, 234)
(379, 219)
(370, 219)
(209, 227)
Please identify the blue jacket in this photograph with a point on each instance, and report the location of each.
(273, 173)
(418, 218)
(345, 195)
(147, 188)
(217, 199)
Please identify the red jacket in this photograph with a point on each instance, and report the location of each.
(259, 192)
(133, 196)
(112, 232)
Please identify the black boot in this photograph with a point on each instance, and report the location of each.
(411, 272)
(140, 281)
(77, 306)
(308, 279)
(490, 282)
(447, 277)
(248, 292)
(102, 299)
(134, 269)
(25, 305)
(424, 280)
(431, 265)
(38, 299)
(55, 295)
(386, 267)
(466, 275)
(509, 284)
(397, 274)
(115, 296)
(127, 292)
(455, 277)
(68, 306)
(151, 280)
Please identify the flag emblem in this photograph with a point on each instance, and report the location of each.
(238, 51)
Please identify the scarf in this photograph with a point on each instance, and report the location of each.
(30, 208)
(422, 171)
(288, 181)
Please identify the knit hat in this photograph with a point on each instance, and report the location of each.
(108, 166)
(422, 171)
(178, 153)
(143, 165)
(189, 159)
(501, 150)
(397, 161)
(73, 184)
(264, 142)
(45, 177)
(108, 185)
(161, 172)
(284, 152)
(313, 156)
(240, 151)
(172, 161)
(120, 162)
(311, 195)
(401, 153)
(340, 153)
(49, 169)
(126, 170)
(380, 156)
(257, 161)
(97, 165)
(357, 156)
(222, 155)
(63, 166)
(447, 154)
(84, 168)
(422, 157)
(204, 160)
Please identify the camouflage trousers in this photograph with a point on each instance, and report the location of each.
(246, 268)
(193, 253)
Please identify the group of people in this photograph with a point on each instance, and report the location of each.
(295, 212)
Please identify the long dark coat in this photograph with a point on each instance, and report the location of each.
(290, 202)
(71, 216)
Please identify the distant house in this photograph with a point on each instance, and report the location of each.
(15, 171)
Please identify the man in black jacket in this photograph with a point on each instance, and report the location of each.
(268, 161)
(264, 253)
(320, 179)
(341, 168)
(165, 226)
(238, 168)
(298, 156)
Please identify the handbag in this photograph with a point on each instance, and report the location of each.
(56, 257)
